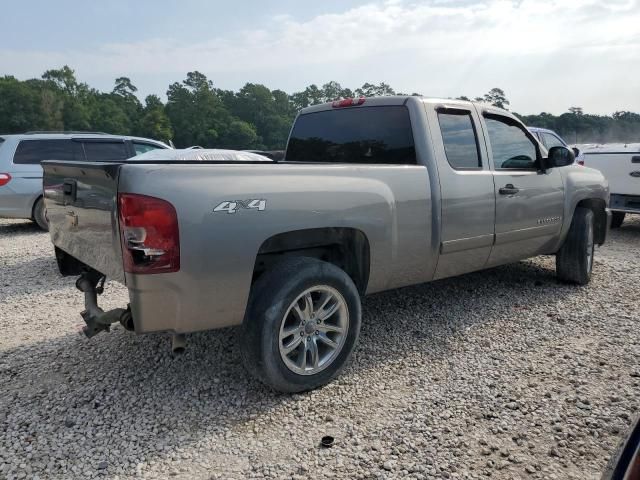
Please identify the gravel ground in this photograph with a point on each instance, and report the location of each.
(504, 373)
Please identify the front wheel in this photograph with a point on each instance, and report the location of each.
(39, 215)
(301, 326)
(574, 260)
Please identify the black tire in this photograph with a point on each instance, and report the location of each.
(39, 215)
(271, 298)
(617, 218)
(574, 260)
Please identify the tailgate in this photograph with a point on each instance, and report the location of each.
(622, 170)
(81, 203)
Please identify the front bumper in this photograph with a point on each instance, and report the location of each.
(625, 203)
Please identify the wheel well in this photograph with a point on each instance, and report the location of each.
(33, 207)
(347, 248)
(598, 207)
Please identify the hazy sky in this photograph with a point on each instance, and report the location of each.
(546, 55)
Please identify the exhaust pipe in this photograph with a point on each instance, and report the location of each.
(97, 320)
(178, 343)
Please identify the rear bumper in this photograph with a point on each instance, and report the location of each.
(625, 203)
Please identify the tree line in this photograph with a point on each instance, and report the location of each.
(254, 117)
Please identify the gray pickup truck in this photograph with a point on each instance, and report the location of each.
(373, 194)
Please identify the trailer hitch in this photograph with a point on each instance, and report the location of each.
(91, 283)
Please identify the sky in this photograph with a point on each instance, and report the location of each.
(547, 55)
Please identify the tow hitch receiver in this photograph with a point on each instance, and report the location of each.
(91, 283)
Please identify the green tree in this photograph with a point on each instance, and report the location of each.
(269, 112)
(196, 113)
(20, 106)
(199, 117)
(497, 98)
(334, 91)
(64, 79)
(311, 95)
(76, 97)
(371, 90)
(125, 88)
(240, 135)
(108, 116)
(154, 122)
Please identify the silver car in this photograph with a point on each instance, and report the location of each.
(21, 173)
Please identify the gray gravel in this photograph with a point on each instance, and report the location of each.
(504, 373)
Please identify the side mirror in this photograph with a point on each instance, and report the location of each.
(560, 157)
(576, 151)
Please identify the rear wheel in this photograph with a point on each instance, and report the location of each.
(574, 260)
(39, 215)
(617, 218)
(302, 324)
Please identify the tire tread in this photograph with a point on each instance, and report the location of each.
(570, 261)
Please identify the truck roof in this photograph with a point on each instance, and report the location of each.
(402, 100)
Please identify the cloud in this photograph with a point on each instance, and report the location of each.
(464, 45)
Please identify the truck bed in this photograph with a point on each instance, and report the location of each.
(219, 245)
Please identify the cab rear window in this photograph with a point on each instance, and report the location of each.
(373, 135)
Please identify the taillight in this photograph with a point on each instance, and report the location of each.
(4, 179)
(149, 234)
(348, 102)
(581, 162)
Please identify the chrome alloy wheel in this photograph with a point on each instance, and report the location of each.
(313, 330)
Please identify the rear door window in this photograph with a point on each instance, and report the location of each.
(32, 152)
(460, 140)
(374, 135)
(101, 151)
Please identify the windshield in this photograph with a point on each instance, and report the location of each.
(379, 135)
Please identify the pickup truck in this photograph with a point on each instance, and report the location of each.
(372, 194)
(620, 164)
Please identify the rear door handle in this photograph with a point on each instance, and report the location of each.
(509, 189)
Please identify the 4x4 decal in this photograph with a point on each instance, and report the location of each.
(232, 206)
